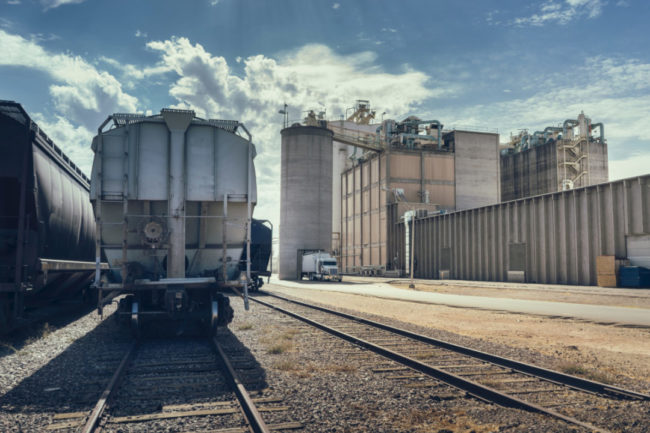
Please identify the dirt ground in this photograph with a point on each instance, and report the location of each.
(609, 350)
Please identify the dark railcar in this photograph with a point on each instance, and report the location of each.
(47, 227)
(261, 239)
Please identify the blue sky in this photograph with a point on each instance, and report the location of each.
(503, 65)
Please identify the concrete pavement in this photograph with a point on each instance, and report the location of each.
(595, 313)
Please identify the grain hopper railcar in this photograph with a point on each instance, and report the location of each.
(47, 229)
(173, 196)
(261, 251)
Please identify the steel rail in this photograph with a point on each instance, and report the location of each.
(97, 412)
(557, 377)
(251, 413)
(470, 387)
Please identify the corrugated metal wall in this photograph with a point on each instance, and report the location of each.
(554, 238)
(364, 223)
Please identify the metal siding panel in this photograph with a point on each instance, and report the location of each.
(200, 163)
(153, 168)
(638, 249)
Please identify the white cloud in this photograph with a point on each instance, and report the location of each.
(51, 4)
(13, 2)
(305, 78)
(336, 5)
(614, 92)
(74, 140)
(140, 34)
(635, 165)
(561, 12)
(81, 92)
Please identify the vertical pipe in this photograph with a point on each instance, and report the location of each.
(98, 213)
(20, 241)
(125, 202)
(248, 221)
(421, 177)
(177, 122)
(224, 244)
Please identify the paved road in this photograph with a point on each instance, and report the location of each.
(595, 313)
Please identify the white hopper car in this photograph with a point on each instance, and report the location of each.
(173, 196)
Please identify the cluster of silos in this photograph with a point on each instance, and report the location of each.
(306, 194)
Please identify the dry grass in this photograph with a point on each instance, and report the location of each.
(8, 346)
(339, 368)
(578, 370)
(296, 368)
(288, 335)
(279, 347)
(280, 343)
(457, 421)
(245, 327)
(423, 355)
(45, 330)
(286, 365)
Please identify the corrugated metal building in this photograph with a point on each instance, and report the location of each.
(555, 159)
(461, 174)
(551, 239)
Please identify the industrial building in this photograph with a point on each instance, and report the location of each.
(557, 158)
(418, 167)
(554, 238)
(413, 163)
(537, 211)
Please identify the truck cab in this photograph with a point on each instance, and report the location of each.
(319, 265)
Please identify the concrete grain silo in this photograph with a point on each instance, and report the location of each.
(306, 195)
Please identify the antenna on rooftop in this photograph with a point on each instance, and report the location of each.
(285, 113)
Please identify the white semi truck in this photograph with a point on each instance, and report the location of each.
(317, 265)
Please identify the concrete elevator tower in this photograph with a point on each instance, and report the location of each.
(306, 194)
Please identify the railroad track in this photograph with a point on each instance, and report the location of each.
(183, 385)
(488, 377)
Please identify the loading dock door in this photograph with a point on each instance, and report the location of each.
(638, 250)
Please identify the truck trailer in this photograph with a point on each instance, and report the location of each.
(317, 265)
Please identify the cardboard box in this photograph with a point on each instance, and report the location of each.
(607, 280)
(606, 265)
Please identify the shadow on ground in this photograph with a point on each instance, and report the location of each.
(75, 379)
(42, 322)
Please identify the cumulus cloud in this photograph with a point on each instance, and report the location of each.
(634, 165)
(73, 139)
(561, 12)
(312, 76)
(51, 4)
(79, 91)
(615, 92)
(82, 95)
(336, 5)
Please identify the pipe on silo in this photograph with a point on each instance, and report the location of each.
(572, 122)
(177, 122)
(551, 129)
(602, 130)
